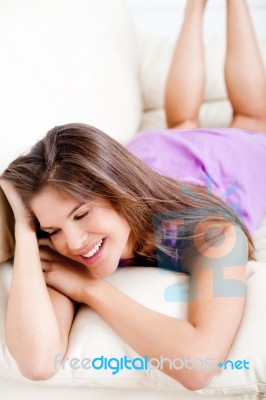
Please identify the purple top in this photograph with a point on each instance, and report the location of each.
(230, 162)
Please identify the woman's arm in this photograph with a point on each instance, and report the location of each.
(213, 319)
(217, 299)
(208, 333)
(38, 318)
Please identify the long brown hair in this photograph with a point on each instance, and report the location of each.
(82, 162)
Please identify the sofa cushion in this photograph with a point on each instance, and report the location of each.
(66, 61)
(155, 55)
(216, 113)
(91, 337)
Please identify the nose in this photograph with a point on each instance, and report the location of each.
(76, 239)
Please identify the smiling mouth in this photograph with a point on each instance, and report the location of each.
(94, 250)
(88, 258)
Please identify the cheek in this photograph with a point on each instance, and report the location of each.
(58, 244)
(118, 228)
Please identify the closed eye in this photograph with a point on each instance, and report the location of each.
(52, 233)
(78, 217)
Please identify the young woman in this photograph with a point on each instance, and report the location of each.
(85, 205)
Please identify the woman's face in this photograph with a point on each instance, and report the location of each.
(77, 229)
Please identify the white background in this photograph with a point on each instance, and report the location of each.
(163, 17)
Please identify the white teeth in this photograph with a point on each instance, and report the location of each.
(94, 250)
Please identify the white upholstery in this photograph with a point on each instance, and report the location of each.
(66, 61)
(84, 62)
(155, 57)
(92, 337)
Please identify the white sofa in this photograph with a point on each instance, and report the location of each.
(83, 61)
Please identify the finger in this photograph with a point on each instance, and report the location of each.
(6, 185)
(21, 212)
(46, 255)
(46, 242)
(46, 266)
(49, 278)
(46, 277)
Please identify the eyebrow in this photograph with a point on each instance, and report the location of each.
(68, 215)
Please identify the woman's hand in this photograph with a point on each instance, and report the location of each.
(24, 220)
(65, 275)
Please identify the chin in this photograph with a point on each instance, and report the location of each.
(103, 272)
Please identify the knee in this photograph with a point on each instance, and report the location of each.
(187, 123)
(257, 124)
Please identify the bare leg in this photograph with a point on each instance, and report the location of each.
(245, 75)
(186, 78)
